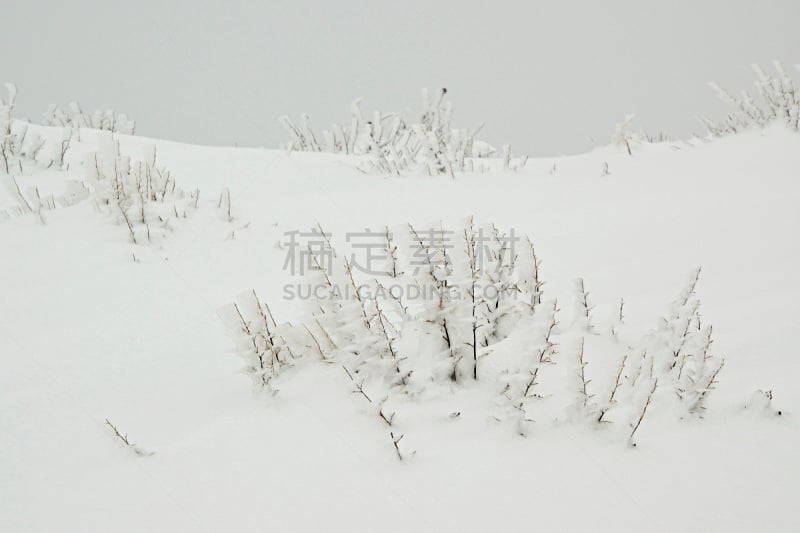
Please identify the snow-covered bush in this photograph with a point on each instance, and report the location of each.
(108, 120)
(395, 146)
(467, 306)
(779, 101)
(10, 143)
(258, 339)
(141, 194)
(22, 147)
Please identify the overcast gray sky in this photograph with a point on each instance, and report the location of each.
(544, 76)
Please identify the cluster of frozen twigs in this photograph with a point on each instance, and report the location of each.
(23, 150)
(20, 148)
(141, 194)
(27, 149)
(9, 143)
(108, 120)
(395, 146)
(470, 308)
(780, 101)
(23, 146)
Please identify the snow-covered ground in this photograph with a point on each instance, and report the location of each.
(89, 334)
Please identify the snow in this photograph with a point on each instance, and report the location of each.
(89, 334)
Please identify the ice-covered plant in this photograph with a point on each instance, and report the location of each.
(394, 145)
(779, 101)
(447, 308)
(9, 142)
(22, 146)
(108, 120)
(624, 135)
(141, 194)
(258, 339)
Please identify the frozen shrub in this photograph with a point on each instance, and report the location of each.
(108, 120)
(141, 194)
(477, 315)
(395, 146)
(624, 136)
(779, 101)
(10, 143)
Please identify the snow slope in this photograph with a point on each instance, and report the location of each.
(87, 333)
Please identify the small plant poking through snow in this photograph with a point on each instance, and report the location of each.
(477, 319)
(135, 448)
(625, 137)
(394, 146)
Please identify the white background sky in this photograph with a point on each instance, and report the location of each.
(545, 76)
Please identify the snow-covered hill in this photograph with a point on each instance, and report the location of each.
(94, 327)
